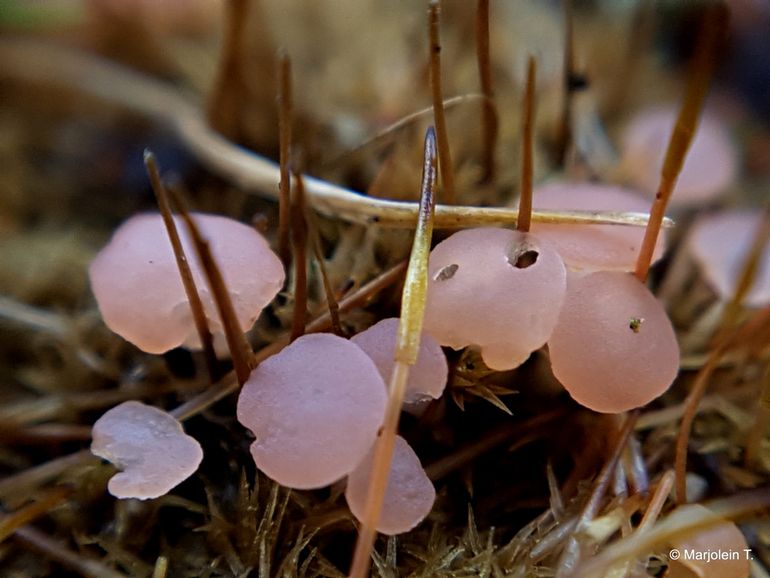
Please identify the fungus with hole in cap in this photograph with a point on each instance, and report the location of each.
(141, 296)
(150, 447)
(710, 166)
(427, 377)
(720, 243)
(497, 289)
(614, 348)
(315, 409)
(409, 495)
(592, 247)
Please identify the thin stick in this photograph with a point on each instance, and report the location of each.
(285, 100)
(41, 506)
(407, 347)
(564, 135)
(190, 289)
(240, 350)
(331, 300)
(681, 137)
(299, 246)
(489, 112)
(527, 123)
(445, 157)
(74, 70)
(658, 500)
(36, 475)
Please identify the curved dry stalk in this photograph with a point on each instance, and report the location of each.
(406, 351)
(44, 504)
(65, 68)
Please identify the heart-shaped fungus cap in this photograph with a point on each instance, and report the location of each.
(140, 294)
(720, 245)
(315, 409)
(409, 495)
(427, 377)
(498, 289)
(150, 447)
(614, 348)
(709, 167)
(593, 247)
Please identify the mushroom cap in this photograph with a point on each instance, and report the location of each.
(720, 244)
(141, 296)
(150, 447)
(315, 409)
(593, 247)
(409, 494)
(724, 537)
(614, 348)
(478, 296)
(427, 377)
(709, 167)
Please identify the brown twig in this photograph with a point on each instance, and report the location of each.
(299, 250)
(564, 132)
(285, 100)
(182, 263)
(41, 506)
(331, 300)
(527, 123)
(442, 136)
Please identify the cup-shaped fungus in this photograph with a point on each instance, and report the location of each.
(150, 447)
(720, 244)
(593, 247)
(614, 348)
(315, 409)
(710, 166)
(497, 289)
(409, 495)
(141, 296)
(427, 377)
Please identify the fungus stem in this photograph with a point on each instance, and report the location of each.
(407, 347)
(527, 121)
(299, 247)
(489, 112)
(284, 136)
(445, 157)
(182, 263)
(240, 350)
(681, 137)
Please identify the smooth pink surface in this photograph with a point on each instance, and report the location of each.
(427, 377)
(599, 359)
(593, 247)
(709, 167)
(150, 447)
(506, 311)
(315, 409)
(140, 294)
(409, 495)
(720, 245)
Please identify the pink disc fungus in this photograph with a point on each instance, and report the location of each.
(409, 495)
(496, 289)
(315, 409)
(614, 348)
(720, 244)
(593, 247)
(140, 293)
(427, 377)
(150, 447)
(717, 551)
(709, 168)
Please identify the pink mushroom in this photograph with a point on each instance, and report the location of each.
(720, 244)
(427, 377)
(140, 294)
(409, 495)
(709, 168)
(315, 409)
(614, 348)
(593, 247)
(150, 447)
(497, 289)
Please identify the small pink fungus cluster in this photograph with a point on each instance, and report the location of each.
(140, 293)
(150, 447)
